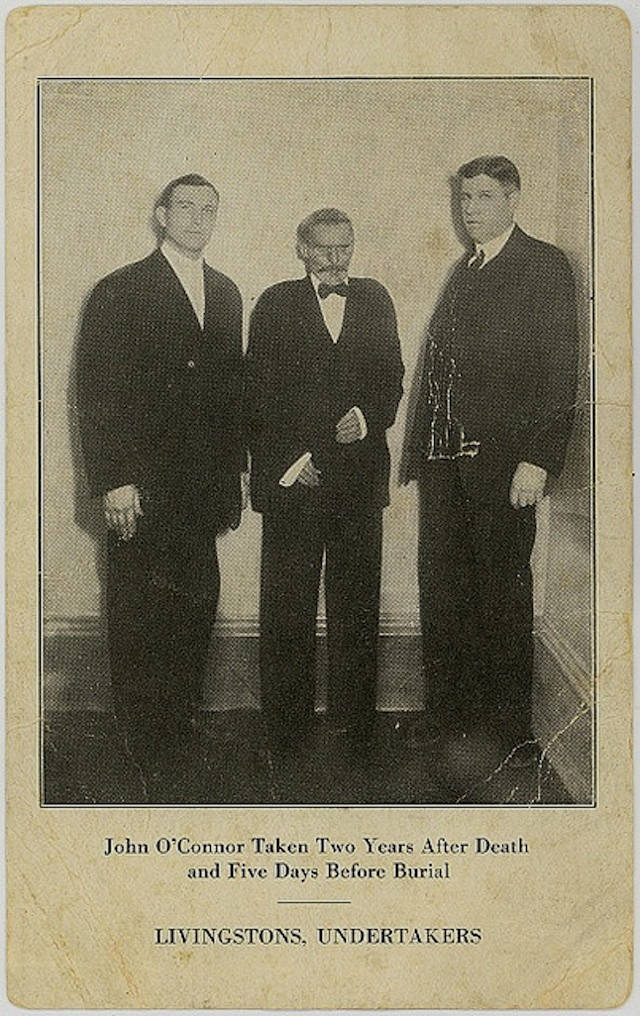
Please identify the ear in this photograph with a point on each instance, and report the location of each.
(161, 216)
(302, 251)
(514, 200)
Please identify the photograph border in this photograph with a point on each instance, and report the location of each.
(590, 294)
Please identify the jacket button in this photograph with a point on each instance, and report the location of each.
(190, 364)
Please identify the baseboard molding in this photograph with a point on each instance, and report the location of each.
(92, 626)
(575, 669)
(563, 702)
(76, 674)
(564, 712)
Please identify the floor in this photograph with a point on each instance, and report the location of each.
(86, 763)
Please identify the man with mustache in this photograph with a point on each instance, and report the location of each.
(159, 400)
(324, 379)
(491, 426)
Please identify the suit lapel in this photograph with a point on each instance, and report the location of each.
(505, 265)
(350, 312)
(211, 301)
(311, 317)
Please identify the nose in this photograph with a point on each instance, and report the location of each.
(333, 254)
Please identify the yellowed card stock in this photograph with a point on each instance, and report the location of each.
(473, 901)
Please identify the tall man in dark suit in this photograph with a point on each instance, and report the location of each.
(324, 378)
(492, 423)
(159, 396)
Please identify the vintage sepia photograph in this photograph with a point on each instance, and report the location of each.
(316, 432)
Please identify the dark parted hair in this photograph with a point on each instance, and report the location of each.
(190, 180)
(328, 216)
(496, 166)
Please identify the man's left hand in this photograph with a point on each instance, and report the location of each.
(527, 485)
(349, 428)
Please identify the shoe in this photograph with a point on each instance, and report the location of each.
(425, 729)
(525, 755)
(360, 738)
(288, 746)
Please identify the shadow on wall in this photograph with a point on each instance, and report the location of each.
(415, 390)
(87, 510)
(576, 477)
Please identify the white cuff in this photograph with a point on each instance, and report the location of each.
(293, 472)
(364, 430)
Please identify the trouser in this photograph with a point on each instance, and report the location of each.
(293, 544)
(476, 606)
(162, 593)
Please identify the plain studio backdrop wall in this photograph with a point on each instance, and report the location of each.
(384, 151)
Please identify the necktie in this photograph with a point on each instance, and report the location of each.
(324, 289)
(476, 261)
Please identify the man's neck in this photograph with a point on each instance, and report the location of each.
(181, 252)
(493, 247)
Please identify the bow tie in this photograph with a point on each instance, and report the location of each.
(324, 289)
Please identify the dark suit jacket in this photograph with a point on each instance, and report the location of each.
(159, 399)
(299, 384)
(511, 329)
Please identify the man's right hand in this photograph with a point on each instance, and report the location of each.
(122, 509)
(309, 476)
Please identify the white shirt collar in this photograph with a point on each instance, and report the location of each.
(182, 263)
(493, 247)
(190, 275)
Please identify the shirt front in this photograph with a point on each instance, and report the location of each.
(332, 307)
(190, 272)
